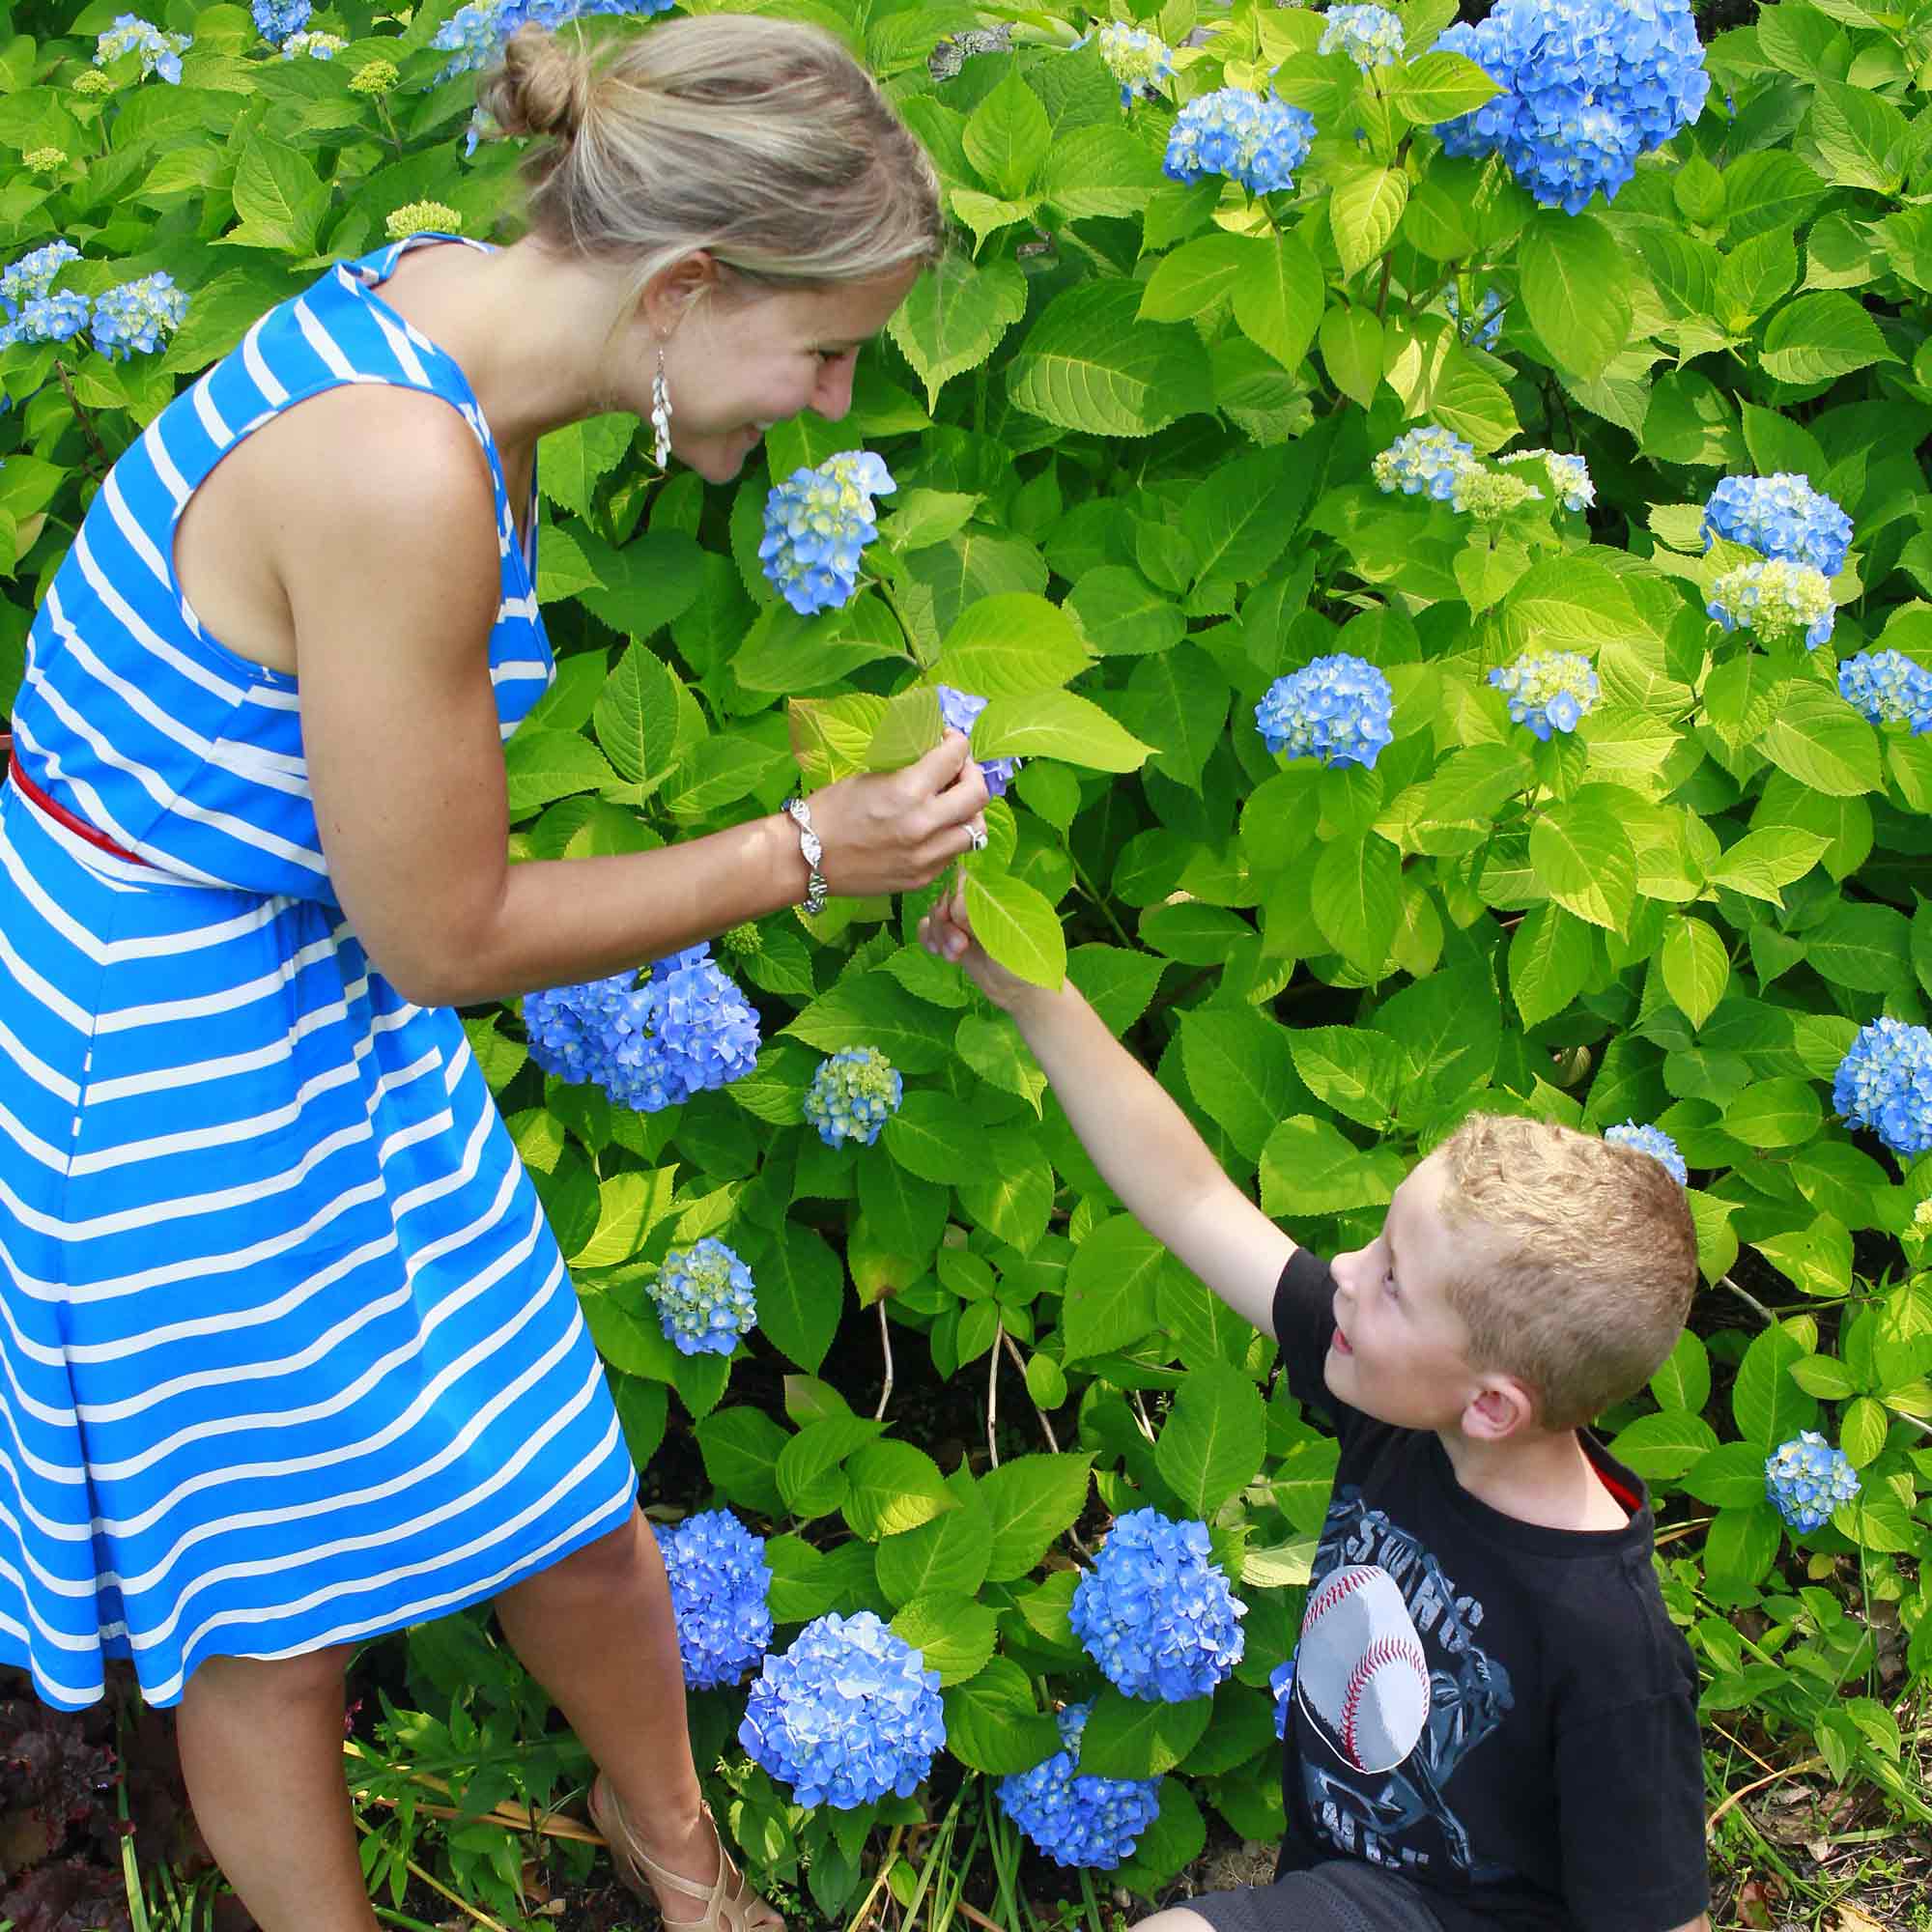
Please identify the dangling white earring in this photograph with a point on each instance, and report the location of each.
(660, 414)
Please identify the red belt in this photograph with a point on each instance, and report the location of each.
(61, 816)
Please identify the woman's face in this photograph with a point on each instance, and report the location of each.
(743, 360)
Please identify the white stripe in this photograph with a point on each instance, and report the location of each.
(92, 809)
(139, 629)
(512, 670)
(265, 378)
(323, 343)
(138, 540)
(400, 348)
(224, 1000)
(74, 1640)
(167, 473)
(219, 432)
(45, 991)
(36, 1070)
(31, 1144)
(53, 1690)
(276, 697)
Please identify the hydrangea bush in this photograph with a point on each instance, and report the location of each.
(1213, 473)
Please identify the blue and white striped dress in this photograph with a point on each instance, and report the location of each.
(290, 1354)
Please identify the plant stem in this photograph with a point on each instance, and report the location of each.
(1106, 910)
(993, 1390)
(885, 1344)
(1013, 1348)
(86, 422)
(440, 1890)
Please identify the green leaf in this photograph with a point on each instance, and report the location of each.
(1007, 135)
(1696, 968)
(1017, 926)
(809, 1475)
(1684, 1381)
(950, 1554)
(992, 1723)
(1364, 207)
(542, 765)
(1822, 741)
(955, 316)
(874, 1010)
(1439, 86)
(1033, 1500)
(1210, 1445)
(893, 1487)
(1057, 725)
(1110, 1289)
(952, 1634)
(1278, 298)
(1137, 1737)
(1767, 1404)
(1358, 898)
(909, 729)
(1241, 1069)
(1784, 1112)
(1817, 336)
(1861, 139)
(1662, 1448)
(741, 1447)
(1194, 277)
(1731, 1476)
(1010, 645)
(1762, 863)
(1308, 1168)
(1569, 603)
(1351, 1069)
(1583, 856)
(1575, 284)
(1550, 957)
(636, 716)
(1090, 364)
(280, 202)
(935, 1136)
(800, 1289)
(1240, 518)
(1351, 351)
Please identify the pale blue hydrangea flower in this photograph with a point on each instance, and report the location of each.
(817, 524)
(847, 1714)
(1427, 461)
(1079, 1819)
(133, 318)
(719, 1586)
(852, 1094)
(1775, 600)
(1779, 517)
(317, 46)
(1337, 709)
(1654, 1142)
(1252, 138)
(1589, 85)
(1569, 475)
(1281, 1687)
(1807, 1479)
(475, 32)
(706, 1298)
(1485, 327)
(33, 274)
(1370, 36)
(1888, 688)
(958, 709)
(1884, 1083)
(276, 20)
(1154, 1613)
(1140, 60)
(1548, 690)
(55, 317)
(160, 54)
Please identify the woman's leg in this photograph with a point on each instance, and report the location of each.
(597, 1631)
(261, 1749)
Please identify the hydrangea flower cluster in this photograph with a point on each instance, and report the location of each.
(422, 217)
(1136, 58)
(45, 161)
(133, 318)
(720, 1582)
(32, 276)
(56, 318)
(1884, 1083)
(1588, 86)
(686, 1030)
(706, 1298)
(1484, 328)
(1252, 138)
(1654, 1142)
(375, 77)
(1370, 36)
(160, 54)
(1078, 1819)
(91, 83)
(1888, 688)
(1777, 600)
(818, 523)
(1807, 1479)
(1781, 517)
(1548, 690)
(1338, 709)
(317, 46)
(1154, 1613)
(958, 709)
(474, 33)
(847, 1714)
(1487, 494)
(852, 1094)
(276, 20)
(1281, 1687)
(1427, 461)
(1569, 475)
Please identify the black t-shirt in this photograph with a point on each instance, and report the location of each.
(1500, 1710)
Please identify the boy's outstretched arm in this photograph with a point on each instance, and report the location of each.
(1142, 1143)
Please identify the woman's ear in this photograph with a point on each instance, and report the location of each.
(671, 295)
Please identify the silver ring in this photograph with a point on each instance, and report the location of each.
(978, 836)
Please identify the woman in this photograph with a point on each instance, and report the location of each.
(290, 1355)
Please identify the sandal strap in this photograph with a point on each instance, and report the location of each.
(726, 1899)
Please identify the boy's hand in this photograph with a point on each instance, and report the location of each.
(947, 933)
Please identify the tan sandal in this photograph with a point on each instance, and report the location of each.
(728, 1900)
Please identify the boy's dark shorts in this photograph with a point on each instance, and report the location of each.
(1342, 1895)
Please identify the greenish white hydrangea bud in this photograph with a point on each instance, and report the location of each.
(45, 161)
(422, 217)
(1488, 494)
(1777, 600)
(375, 77)
(743, 941)
(91, 81)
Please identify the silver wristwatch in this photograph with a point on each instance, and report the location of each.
(800, 813)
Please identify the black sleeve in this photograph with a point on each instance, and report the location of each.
(1629, 1800)
(1304, 1325)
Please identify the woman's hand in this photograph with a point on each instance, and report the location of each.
(893, 832)
(947, 933)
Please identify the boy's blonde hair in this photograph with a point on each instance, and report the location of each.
(1587, 1260)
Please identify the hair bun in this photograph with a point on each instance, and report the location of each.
(542, 87)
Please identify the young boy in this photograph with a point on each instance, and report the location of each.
(1493, 1723)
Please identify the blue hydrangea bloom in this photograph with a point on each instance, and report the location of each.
(852, 1096)
(1076, 1818)
(720, 1582)
(160, 54)
(1154, 1613)
(276, 20)
(685, 1031)
(317, 46)
(1337, 709)
(475, 32)
(1370, 36)
(847, 1714)
(1136, 58)
(705, 1299)
(133, 318)
(1485, 327)
(1654, 1142)
(1884, 1083)
(1589, 85)
(1548, 690)
(1569, 475)
(1775, 600)
(817, 523)
(959, 709)
(1779, 517)
(1807, 1479)
(1281, 1687)
(1427, 461)
(56, 318)
(32, 276)
(1888, 688)
(1252, 138)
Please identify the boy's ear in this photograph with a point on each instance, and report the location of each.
(1501, 1408)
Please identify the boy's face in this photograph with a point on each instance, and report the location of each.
(1400, 1350)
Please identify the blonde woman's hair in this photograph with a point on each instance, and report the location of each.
(1586, 1260)
(759, 141)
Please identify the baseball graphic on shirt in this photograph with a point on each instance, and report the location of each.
(1359, 1671)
